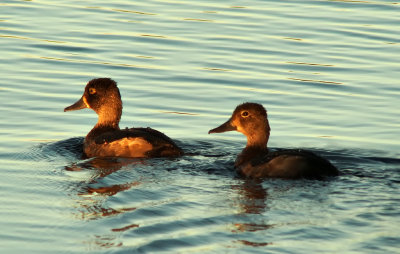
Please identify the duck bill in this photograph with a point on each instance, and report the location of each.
(227, 126)
(80, 104)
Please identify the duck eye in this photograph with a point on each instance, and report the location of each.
(92, 90)
(245, 114)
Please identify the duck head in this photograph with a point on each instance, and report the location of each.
(251, 120)
(101, 95)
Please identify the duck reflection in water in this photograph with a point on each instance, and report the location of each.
(256, 161)
(93, 192)
(91, 197)
(252, 199)
(103, 166)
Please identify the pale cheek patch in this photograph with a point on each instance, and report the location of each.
(85, 101)
(236, 123)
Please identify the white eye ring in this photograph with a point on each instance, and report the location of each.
(245, 114)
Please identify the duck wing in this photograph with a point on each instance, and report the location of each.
(313, 165)
(161, 143)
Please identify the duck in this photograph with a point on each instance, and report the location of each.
(106, 139)
(256, 161)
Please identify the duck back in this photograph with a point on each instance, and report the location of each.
(289, 164)
(133, 142)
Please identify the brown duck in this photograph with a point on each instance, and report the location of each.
(106, 139)
(257, 161)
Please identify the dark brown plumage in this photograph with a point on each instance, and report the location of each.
(106, 139)
(257, 161)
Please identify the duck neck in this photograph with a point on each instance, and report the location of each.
(258, 140)
(108, 121)
(249, 153)
(256, 146)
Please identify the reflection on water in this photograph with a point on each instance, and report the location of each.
(92, 209)
(98, 198)
(148, 205)
(316, 81)
(94, 62)
(251, 200)
(94, 191)
(125, 228)
(252, 196)
(93, 194)
(105, 166)
(98, 242)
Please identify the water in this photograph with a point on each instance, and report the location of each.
(327, 72)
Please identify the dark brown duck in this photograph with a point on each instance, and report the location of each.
(257, 161)
(106, 139)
